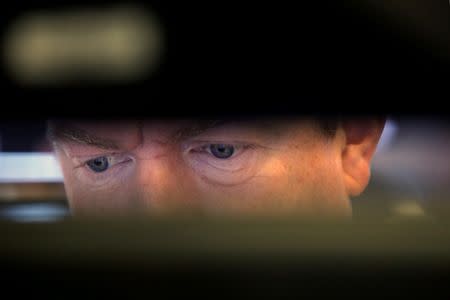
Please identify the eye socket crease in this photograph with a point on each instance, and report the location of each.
(233, 184)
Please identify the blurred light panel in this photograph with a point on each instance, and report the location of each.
(117, 43)
(387, 137)
(34, 212)
(29, 167)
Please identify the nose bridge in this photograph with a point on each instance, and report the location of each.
(160, 182)
(154, 181)
(152, 150)
(163, 184)
(163, 179)
(156, 141)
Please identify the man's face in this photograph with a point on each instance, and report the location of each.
(260, 167)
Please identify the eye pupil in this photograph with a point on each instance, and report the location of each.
(99, 164)
(222, 151)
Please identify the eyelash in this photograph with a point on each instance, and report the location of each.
(238, 147)
(112, 175)
(116, 158)
(203, 150)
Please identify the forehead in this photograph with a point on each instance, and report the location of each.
(116, 129)
(119, 129)
(132, 130)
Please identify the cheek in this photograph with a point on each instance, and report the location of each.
(301, 181)
(317, 184)
(84, 200)
(118, 200)
(309, 171)
(264, 193)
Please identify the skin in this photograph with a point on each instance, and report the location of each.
(161, 167)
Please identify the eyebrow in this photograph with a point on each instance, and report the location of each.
(68, 133)
(197, 129)
(64, 132)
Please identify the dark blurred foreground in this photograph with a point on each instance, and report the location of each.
(239, 257)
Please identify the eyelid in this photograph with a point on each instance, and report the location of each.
(239, 148)
(203, 147)
(81, 161)
(205, 143)
(225, 165)
(237, 169)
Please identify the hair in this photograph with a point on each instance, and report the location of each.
(328, 125)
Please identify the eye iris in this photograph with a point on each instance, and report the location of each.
(221, 150)
(99, 164)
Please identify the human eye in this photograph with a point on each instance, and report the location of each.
(101, 169)
(221, 151)
(223, 162)
(101, 164)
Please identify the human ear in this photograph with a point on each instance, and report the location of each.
(361, 139)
